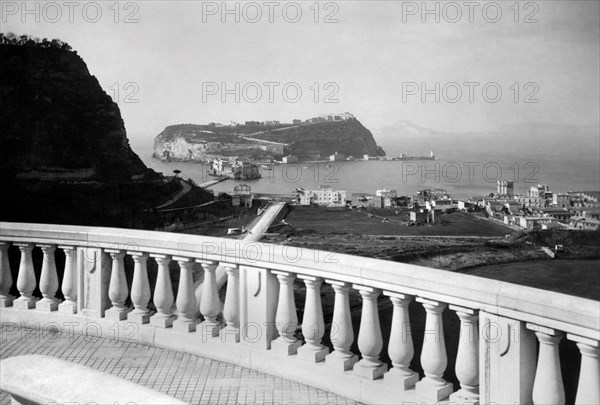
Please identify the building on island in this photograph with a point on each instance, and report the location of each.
(235, 169)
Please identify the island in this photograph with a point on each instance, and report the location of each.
(314, 139)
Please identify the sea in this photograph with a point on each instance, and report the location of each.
(461, 175)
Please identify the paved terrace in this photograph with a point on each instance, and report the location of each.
(190, 378)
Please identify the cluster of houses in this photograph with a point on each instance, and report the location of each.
(335, 157)
(541, 208)
(274, 123)
(425, 207)
(234, 169)
(538, 209)
(324, 118)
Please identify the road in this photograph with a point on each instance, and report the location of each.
(185, 188)
(260, 226)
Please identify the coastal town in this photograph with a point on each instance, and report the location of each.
(540, 208)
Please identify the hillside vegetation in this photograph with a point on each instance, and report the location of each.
(55, 115)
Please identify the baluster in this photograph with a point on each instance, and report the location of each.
(117, 289)
(186, 297)
(433, 354)
(210, 304)
(587, 389)
(140, 289)
(26, 280)
(286, 318)
(231, 309)
(467, 357)
(69, 283)
(313, 325)
(48, 280)
(342, 333)
(6, 300)
(370, 341)
(548, 386)
(401, 349)
(163, 294)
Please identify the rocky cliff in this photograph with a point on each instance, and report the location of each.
(307, 141)
(55, 117)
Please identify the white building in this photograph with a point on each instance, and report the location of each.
(324, 196)
(534, 222)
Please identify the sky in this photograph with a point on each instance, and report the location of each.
(487, 63)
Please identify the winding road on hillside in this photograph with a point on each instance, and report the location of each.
(185, 188)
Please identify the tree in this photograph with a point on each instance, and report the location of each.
(11, 38)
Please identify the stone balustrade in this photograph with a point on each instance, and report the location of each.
(507, 350)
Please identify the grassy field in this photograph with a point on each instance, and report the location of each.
(359, 222)
(574, 277)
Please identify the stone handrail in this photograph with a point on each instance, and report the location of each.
(511, 318)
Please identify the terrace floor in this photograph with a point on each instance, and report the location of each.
(191, 378)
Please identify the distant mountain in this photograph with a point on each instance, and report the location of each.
(541, 138)
(404, 127)
(405, 137)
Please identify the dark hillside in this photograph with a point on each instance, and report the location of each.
(55, 116)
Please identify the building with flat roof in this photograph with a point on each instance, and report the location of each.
(324, 196)
(534, 222)
(561, 214)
